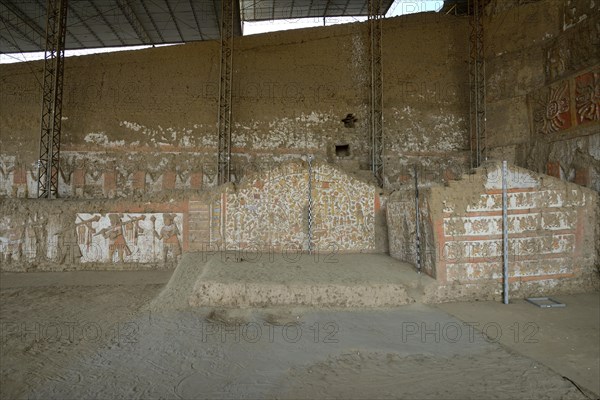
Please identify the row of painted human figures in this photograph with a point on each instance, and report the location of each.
(121, 234)
(30, 240)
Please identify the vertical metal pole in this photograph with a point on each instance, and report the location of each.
(376, 90)
(418, 228)
(477, 84)
(505, 232)
(225, 83)
(310, 204)
(52, 91)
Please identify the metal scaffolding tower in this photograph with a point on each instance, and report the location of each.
(477, 84)
(48, 164)
(376, 90)
(226, 72)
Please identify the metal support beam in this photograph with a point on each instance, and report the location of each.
(196, 19)
(134, 21)
(326, 9)
(346, 7)
(376, 90)
(226, 78)
(26, 19)
(143, 3)
(237, 19)
(216, 12)
(72, 37)
(48, 164)
(13, 23)
(310, 6)
(105, 21)
(11, 44)
(82, 21)
(172, 14)
(477, 84)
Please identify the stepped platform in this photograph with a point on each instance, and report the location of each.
(265, 280)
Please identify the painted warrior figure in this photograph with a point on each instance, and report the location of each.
(67, 245)
(85, 231)
(38, 225)
(169, 235)
(116, 240)
(133, 229)
(16, 239)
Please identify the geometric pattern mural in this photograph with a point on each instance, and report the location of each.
(587, 97)
(567, 103)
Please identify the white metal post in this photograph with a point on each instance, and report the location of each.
(505, 231)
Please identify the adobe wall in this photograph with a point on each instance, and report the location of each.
(552, 229)
(267, 213)
(143, 123)
(543, 87)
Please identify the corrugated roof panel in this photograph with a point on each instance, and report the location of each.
(107, 23)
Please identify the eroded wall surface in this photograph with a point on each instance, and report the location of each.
(144, 122)
(268, 212)
(552, 231)
(404, 243)
(543, 87)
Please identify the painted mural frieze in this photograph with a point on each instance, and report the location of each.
(23, 237)
(576, 11)
(129, 237)
(287, 207)
(574, 50)
(587, 100)
(557, 57)
(552, 112)
(92, 238)
(271, 211)
(566, 104)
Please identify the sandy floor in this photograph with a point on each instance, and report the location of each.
(565, 339)
(103, 341)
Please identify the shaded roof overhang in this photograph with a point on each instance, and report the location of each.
(266, 10)
(114, 23)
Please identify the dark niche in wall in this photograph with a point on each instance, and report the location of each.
(342, 150)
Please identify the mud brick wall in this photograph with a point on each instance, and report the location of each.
(137, 125)
(543, 87)
(267, 212)
(552, 228)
